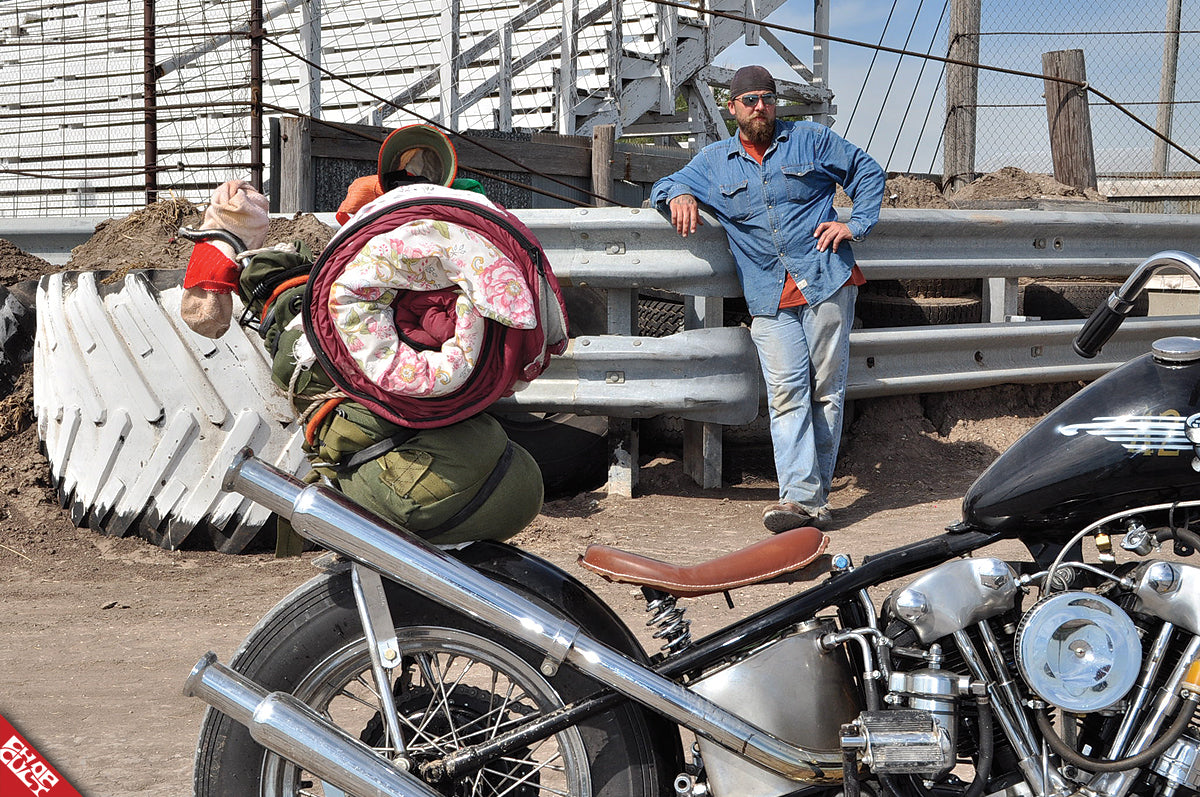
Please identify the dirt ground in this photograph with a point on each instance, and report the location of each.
(100, 633)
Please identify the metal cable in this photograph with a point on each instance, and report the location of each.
(916, 83)
(929, 112)
(445, 129)
(891, 83)
(862, 88)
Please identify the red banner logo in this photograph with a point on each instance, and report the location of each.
(23, 772)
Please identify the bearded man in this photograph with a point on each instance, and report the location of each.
(772, 188)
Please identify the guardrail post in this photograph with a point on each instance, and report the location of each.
(622, 433)
(703, 443)
(1000, 297)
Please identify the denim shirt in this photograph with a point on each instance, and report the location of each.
(770, 211)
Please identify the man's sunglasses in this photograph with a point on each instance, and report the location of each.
(750, 100)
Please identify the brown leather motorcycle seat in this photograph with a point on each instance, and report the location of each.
(762, 561)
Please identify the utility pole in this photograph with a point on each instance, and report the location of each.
(962, 89)
(1166, 89)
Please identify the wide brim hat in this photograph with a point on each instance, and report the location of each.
(419, 137)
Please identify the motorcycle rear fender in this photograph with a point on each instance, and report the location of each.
(558, 589)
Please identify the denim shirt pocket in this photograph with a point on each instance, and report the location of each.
(736, 197)
(802, 181)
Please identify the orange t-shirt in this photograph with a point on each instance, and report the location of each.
(792, 297)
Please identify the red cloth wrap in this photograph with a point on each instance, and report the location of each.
(211, 269)
(505, 354)
(425, 319)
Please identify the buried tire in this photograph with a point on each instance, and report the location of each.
(571, 450)
(139, 416)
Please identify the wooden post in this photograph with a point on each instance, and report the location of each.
(297, 190)
(1069, 118)
(1166, 88)
(603, 143)
(962, 89)
(150, 101)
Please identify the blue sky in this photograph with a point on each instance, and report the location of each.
(1125, 66)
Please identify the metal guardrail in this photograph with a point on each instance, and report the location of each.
(632, 248)
(623, 250)
(713, 373)
(888, 362)
(699, 374)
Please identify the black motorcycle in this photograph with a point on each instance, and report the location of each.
(403, 669)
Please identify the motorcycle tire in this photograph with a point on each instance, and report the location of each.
(457, 682)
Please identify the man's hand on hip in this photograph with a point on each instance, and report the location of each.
(831, 233)
(685, 214)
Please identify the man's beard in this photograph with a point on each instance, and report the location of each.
(757, 130)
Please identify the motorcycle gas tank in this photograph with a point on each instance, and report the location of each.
(1119, 443)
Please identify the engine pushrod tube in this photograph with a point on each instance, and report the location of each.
(333, 521)
(991, 648)
(1141, 692)
(1117, 784)
(286, 726)
(1027, 757)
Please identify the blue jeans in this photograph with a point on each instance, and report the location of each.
(805, 353)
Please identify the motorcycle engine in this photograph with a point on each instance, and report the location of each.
(1099, 659)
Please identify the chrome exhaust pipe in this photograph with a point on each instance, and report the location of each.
(288, 727)
(338, 524)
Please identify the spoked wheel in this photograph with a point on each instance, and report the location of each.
(459, 684)
(453, 690)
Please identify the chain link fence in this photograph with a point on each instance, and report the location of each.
(1128, 51)
(105, 104)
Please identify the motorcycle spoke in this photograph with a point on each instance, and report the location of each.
(521, 781)
(371, 704)
(449, 696)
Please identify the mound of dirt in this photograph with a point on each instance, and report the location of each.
(143, 239)
(17, 265)
(1013, 183)
(1009, 183)
(147, 238)
(903, 191)
(937, 443)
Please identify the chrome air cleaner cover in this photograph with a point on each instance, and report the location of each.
(1078, 651)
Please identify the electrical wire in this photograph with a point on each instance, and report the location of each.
(445, 129)
(863, 86)
(928, 113)
(891, 83)
(916, 83)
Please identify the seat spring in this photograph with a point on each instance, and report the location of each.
(673, 628)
